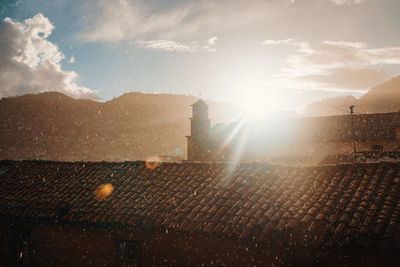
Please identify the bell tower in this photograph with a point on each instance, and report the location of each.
(198, 144)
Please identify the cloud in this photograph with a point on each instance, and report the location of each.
(337, 2)
(165, 45)
(72, 60)
(29, 63)
(132, 20)
(173, 46)
(345, 2)
(114, 21)
(212, 41)
(278, 42)
(353, 79)
(337, 65)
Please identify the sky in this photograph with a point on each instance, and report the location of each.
(271, 54)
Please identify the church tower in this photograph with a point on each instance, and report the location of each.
(198, 141)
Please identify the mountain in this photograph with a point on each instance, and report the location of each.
(382, 98)
(330, 106)
(134, 126)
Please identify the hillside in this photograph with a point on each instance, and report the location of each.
(330, 106)
(134, 126)
(384, 97)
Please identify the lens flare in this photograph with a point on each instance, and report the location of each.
(103, 191)
(152, 163)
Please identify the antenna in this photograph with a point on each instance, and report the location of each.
(352, 126)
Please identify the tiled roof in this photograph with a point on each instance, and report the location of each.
(363, 156)
(371, 127)
(249, 201)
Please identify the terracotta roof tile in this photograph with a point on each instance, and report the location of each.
(254, 201)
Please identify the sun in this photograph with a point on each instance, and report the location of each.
(255, 107)
(260, 104)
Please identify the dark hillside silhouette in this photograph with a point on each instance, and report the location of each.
(382, 98)
(133, 126)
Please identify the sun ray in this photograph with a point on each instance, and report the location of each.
(234, 132)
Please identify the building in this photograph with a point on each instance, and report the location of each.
(198, 141)
(192, 214)
(290, 140)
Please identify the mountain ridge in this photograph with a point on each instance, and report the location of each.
(134, 126)
(382, 98)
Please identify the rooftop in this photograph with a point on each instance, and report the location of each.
(334, 203)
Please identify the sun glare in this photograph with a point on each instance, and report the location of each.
(254, 110)
(259, 105)
(255, 107)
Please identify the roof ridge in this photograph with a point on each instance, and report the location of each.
(208, 163)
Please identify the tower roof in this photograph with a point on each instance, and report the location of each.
(199, 103)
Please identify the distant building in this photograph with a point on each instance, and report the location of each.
(198, 141)
(292, 140)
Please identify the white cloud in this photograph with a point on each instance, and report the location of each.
(345, 2)
(29, 63)
(165, 45)
(72, 60)
(277, 42)
(173, 46)
(212, 41)
(114, 21)
(329, 54)
(335, 65)
(132, 20)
